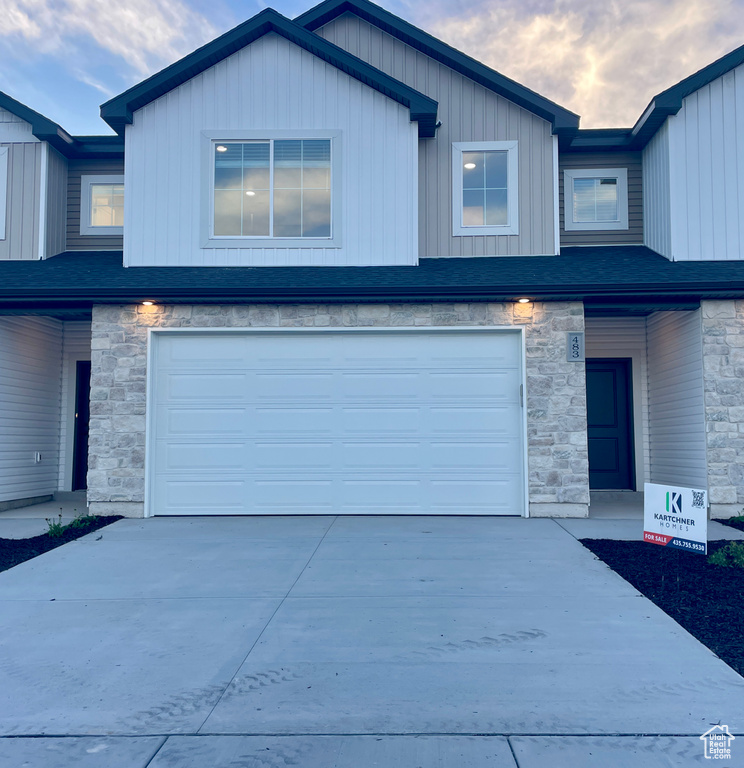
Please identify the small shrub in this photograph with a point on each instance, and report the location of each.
(738, 519)
(56, 529)
(81, 521)
(730, 556)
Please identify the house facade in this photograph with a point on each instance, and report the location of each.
(331, 265)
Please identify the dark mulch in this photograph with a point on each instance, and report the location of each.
(16, 551)
(707, 600)
(739, 524)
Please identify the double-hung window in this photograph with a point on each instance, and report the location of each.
(595, 198)
(101, 205)
(484, 188)
(278, 189)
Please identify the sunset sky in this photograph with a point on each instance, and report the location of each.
(603, 60)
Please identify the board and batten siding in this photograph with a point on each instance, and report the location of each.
(610, 337)
(22, 215)
(675, 393)
(76, 169)
(30, 380)
(56, 203)
(706, 169)
(468, 112)
(633, 235)
(657, 225)
(75, 346)
(267, 86)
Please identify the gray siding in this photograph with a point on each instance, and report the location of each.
(30, 378)
(22, 222)
(675, 392)
(630, 160)
(469, 112)
(657, 222)
(76, 241)
(56, 203)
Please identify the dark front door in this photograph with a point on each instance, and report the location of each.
(82, 417)
(610, 428)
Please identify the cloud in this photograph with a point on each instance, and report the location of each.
(603, 60)
(145, 34)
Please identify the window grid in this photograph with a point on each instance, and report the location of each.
(272, 187)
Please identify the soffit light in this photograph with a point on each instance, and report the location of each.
(147, 303)
(523, 301)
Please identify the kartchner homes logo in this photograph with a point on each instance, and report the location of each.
(674, 503)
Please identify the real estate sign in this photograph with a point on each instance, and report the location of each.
(676, 517)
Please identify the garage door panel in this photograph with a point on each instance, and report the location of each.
(291, 421)
(201, 495)
(347, 423)
(202, 421)
(202, 455)
(198, 386)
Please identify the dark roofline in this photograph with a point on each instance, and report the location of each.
(664, 104)
(562, 120)
(47, 130)
(669, 102)
(623, 277)
(42, 127)
(118, 112)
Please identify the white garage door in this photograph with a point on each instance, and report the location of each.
(336, 423)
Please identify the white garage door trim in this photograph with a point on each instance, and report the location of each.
(155, 333)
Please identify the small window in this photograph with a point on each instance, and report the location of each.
(595, 199)
(484, 191)
(3, 189)
(101, 205)
(272, 188)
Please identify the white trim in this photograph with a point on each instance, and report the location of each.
(153, 333)
(621, 174)
(210, 240)
(3, 190)
(86, 182)
(512, 188)
(556, 199)
(43, 184)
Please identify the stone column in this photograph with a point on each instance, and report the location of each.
(723, 377)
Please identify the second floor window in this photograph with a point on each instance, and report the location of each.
(273, 188)
(595, 199)
(101, 205)
(484, 189)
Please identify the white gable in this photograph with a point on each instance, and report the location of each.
(265, 88)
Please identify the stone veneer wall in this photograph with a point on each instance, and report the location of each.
(556, 389)
(723, 376)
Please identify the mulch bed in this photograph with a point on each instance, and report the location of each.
(707, 600)
(738, 524)
(16, 551)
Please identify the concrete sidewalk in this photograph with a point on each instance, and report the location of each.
(340, 642)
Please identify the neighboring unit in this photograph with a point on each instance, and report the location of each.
(333, 266)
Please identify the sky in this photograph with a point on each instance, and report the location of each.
(603, 60)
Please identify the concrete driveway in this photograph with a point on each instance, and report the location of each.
(345, 642)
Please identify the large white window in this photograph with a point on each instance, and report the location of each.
(101, 205)
(484, 190)
(3, 190)
(595, 198)
(272, 188)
